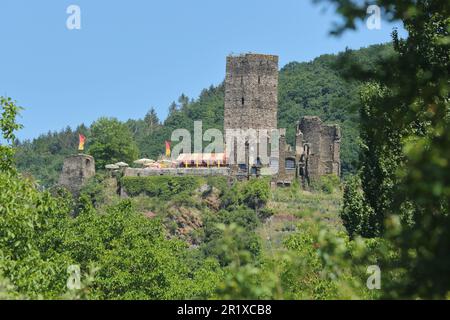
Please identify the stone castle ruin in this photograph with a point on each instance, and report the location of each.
(77, 170)
(317, 152)
(251, 102)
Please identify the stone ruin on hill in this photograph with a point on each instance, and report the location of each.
(77, 170)
(251, 102)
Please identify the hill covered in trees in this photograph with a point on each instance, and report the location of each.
(383, 234)
(317, 88)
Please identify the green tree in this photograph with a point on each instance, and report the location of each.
(111, 141)
(406, 175)
(152, 121)
(8, 125)
(357, 215)
(255, 194)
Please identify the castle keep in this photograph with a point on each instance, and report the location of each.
(251, 92)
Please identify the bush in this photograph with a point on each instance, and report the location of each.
(253, 194)
(163, 187)
(357, 216)
(327, 183)
(245, 223)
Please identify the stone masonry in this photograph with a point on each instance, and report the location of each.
(251, 92)
(77, 169)
(251, 101)
(320, 146)
(317, 152)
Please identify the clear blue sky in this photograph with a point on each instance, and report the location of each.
(130, 55)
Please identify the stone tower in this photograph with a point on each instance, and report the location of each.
(77, 169)
(251, 101)
(251, 92)
(320, 143)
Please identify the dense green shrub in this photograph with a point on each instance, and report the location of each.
(357, 216)
(328, 183)
(135, 259)
(254, 194)
(31, 222)
(163, 187)
(218, 182)
(246, 222)
(39, 240)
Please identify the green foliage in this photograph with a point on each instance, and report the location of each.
(136, 261)
(218, 182)
(245, 241)
(8, 125)
(304, 275)
(357, 216)
(39, 240)
(327, 184)
(111, 141)
(253, 193)
(405, 130)
(163, 187)
(28, 220)
(243, 278)
(99, 191)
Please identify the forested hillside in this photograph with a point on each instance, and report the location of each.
(383, 233)
(309, 88)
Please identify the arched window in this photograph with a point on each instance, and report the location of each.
(243, 101)
(290, 164)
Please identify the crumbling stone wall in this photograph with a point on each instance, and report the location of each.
(288, 162)
(321, 146)
(77, 169)
(330, 155)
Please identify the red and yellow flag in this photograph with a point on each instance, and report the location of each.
(168, 149)
(82, 141)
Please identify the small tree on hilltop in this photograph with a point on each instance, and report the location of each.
(112, 141)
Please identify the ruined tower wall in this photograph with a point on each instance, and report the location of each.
(251, 92)
(324, 141)
(330, 150)
(77, 169)
(311, 127)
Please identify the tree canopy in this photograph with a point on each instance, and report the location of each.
(111, 141)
